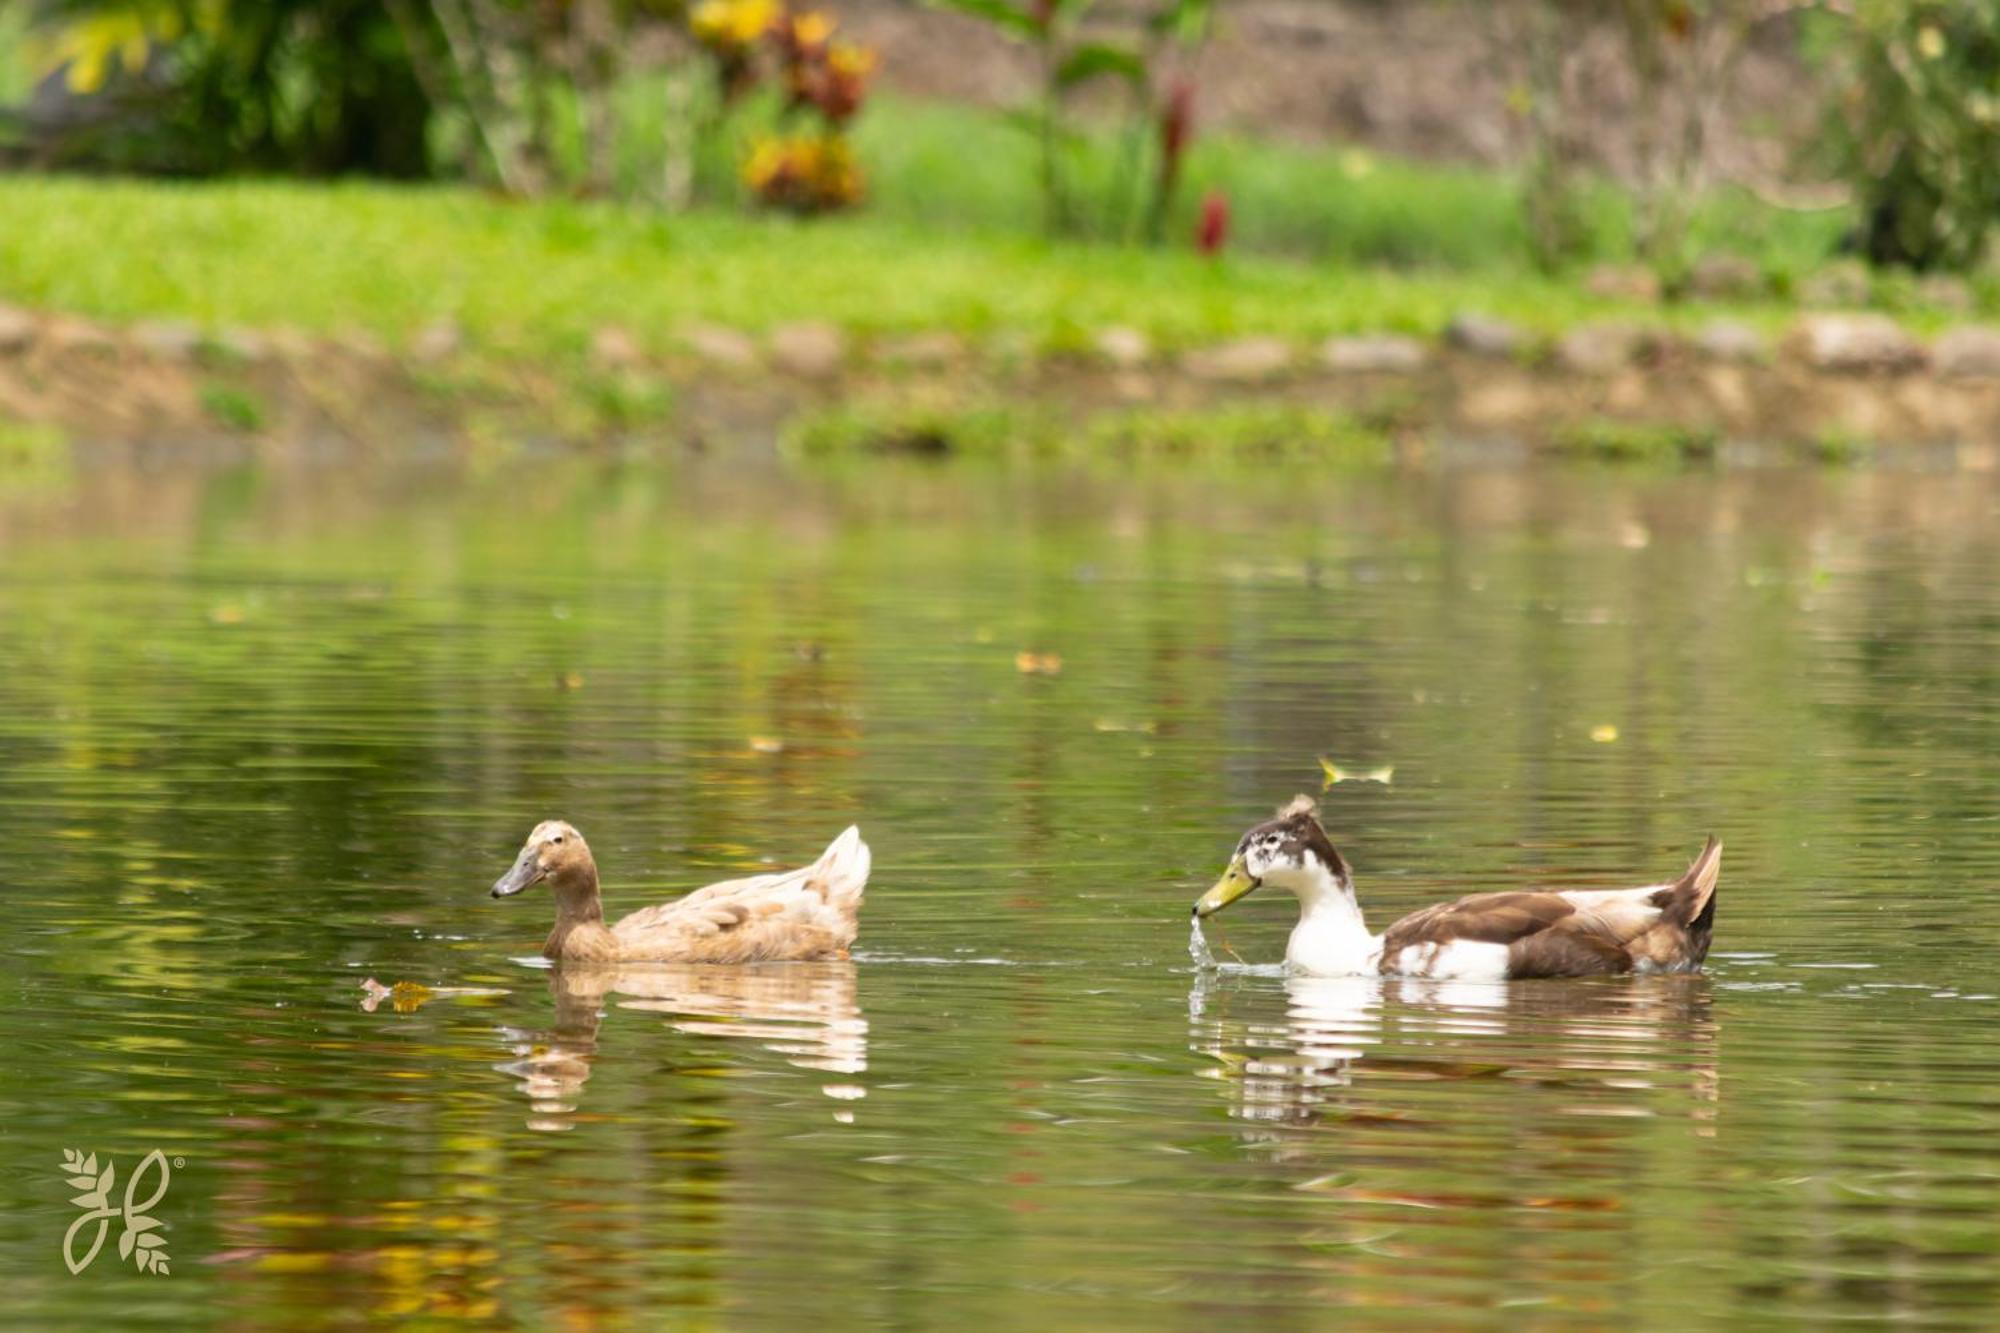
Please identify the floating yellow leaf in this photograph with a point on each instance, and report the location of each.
(1335, 773)
(409, 996)
(1604, 734)
(1038, 664)
(766, 744)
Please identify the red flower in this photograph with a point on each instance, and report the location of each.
(1213, 231)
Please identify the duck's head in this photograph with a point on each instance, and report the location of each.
(554, 852)
(1289, 852)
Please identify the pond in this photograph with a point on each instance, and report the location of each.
(268, 733)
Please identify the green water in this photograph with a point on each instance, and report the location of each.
(267, 734)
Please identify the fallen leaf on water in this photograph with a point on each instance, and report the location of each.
(766, 744)
(404, 995)
(1038, 664)
(408, 996)
(228, 613)
(1110, 725)
(1604, 734)
(1602, 1205)
(1335, 773)
(570, 680)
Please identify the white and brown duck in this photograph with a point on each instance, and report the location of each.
(1483, 937)
(800, 915)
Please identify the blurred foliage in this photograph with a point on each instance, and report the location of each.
(823, 83)
(1680, 56)
(591, 96)
(1914, 124)
(1150, 52)
(317, 87)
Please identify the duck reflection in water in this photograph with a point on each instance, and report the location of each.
(808, 1013)
(1344, 1044)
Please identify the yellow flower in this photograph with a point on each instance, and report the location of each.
(849, 61)
(732, 24)
(806, 174)
(767, 162)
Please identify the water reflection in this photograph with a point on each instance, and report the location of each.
(1605, 1042)
(807, 1012)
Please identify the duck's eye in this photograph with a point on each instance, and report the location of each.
(556, 841)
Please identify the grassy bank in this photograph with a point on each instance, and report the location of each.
(543, 276)
(540, 278)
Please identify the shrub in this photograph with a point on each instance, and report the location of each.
(1915, 125)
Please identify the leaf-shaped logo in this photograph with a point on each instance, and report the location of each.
(140, 1241)
(152, 1248)
(96, 1190)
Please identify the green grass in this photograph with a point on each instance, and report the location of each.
(539, 278)
(1232, 433)
(232, 407)
(1635, 441)
(951, 165)
(16, 79)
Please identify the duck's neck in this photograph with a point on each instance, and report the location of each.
(1331, 938)
(579, 910)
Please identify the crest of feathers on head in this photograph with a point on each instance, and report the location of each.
(1299, 805)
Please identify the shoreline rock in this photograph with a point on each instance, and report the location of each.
(1834, 375)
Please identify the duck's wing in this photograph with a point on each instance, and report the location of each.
(1562, 933)
(1493, 936)
(807, 913)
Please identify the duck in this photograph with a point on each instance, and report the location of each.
(805, 915)
(1482, 937)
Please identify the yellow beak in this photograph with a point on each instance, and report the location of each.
(1235, 882)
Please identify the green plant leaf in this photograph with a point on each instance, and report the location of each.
(1094, 60)
(997, 12)
(1029, 121)
(1186, 21)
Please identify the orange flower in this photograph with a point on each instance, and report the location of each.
(810, 30)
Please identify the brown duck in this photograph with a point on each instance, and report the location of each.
(790, 916)
(1484, 937)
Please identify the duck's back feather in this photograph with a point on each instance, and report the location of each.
(805, 914)
(1562, 933)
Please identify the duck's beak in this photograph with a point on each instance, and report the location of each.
(1235, 882)
(526, 872)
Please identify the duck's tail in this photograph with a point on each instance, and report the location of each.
(841, 873)
(1691, 900)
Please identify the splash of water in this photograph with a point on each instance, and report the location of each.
(1198, 947)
